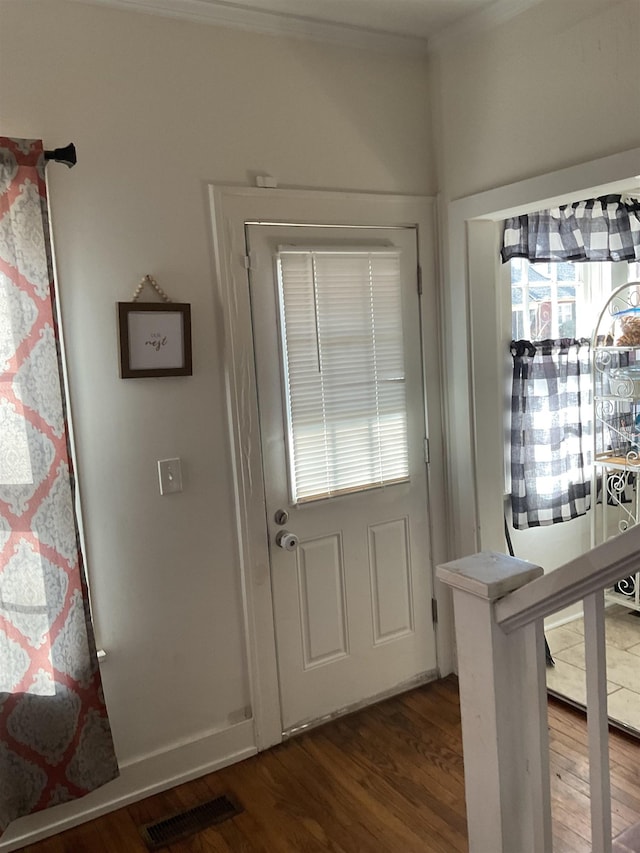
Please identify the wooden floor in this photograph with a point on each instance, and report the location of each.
(388, 779)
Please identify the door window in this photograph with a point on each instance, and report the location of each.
(344, 376)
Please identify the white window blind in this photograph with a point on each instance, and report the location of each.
(343, 359)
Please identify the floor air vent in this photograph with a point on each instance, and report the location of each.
(186, 823)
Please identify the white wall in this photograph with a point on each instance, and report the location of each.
(157, 108)
(548, 89)
(545, 91)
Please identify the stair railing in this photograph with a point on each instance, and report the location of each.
(500, 604)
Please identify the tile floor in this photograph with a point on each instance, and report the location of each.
(567, 677)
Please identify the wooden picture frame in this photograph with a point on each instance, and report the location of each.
(155, 339)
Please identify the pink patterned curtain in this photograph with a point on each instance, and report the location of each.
(55, 740)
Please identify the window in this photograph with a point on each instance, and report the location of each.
(562, 300)
(343, 361)
(557, 300)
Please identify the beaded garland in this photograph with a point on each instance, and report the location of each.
(148, 279)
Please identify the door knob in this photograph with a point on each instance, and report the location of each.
(287, 541)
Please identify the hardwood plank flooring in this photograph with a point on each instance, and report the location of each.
(388, 779)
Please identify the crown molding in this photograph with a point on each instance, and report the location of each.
(228, 14)
(492, 16)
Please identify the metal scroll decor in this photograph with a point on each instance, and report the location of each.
(627, 586)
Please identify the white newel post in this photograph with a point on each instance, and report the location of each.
(503, 704)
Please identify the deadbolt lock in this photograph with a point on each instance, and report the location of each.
(281, 516)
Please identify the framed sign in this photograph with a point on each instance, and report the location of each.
(155, 339)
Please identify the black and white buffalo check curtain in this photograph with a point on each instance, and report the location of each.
(599, 229)
(551, 418)
(550, 432)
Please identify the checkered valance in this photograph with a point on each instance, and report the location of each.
(600, 229)
(550, 432)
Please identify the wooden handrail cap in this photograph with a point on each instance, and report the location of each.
(488, 574)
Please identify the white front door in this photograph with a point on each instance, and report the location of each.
(336, 321)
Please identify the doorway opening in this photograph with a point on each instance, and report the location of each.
(488, 288)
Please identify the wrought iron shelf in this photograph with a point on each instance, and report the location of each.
(616, 430)
(619, 463)
(629, 601)
(617, 349)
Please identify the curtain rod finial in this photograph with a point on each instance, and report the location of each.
(66, 155)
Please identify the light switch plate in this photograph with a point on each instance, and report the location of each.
(170, 476)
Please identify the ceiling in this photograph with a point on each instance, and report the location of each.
(412, 25)
(421, 18)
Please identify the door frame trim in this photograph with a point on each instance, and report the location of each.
(231, 209)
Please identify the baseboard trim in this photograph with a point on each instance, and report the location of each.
(150, 775)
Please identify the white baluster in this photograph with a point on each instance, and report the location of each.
(597, 722)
